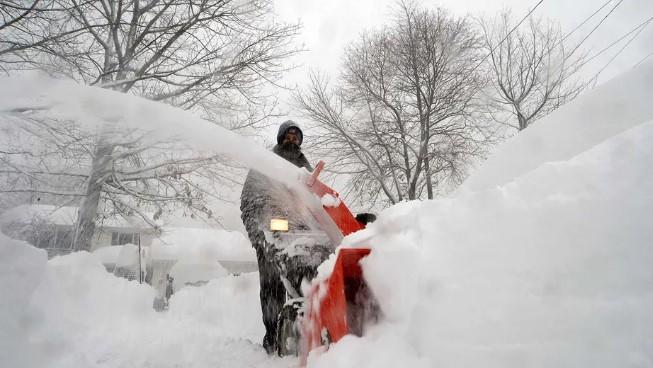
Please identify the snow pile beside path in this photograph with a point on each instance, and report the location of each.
(82, 314)
(595, 116)
(21, 268)
(552, 269)
(221, 305)
(69, 312)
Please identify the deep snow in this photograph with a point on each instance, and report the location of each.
(551, 269)
(593, 117)
(547, 264)
(69, 312)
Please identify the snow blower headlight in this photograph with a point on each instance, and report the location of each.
(279, 224)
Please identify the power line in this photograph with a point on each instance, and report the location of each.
(644, 59)
(638, 27)
(584, 21)
(580, 25)
(508, 35)
(595, 27)
(596, 76)
(565, 37)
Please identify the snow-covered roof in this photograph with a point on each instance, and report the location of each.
(194, 246)
(108, 255)
(65, 215)
(202, 243)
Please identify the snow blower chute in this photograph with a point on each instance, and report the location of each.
(342, 303)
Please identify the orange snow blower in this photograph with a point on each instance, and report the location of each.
(341, 304)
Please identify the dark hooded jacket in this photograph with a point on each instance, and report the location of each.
(283, 128)
(261, 199)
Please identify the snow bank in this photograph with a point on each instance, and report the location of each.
(69, 312)
(220, 306)
(81, 313)
(552, 269)
(21, 268)
(595, 116)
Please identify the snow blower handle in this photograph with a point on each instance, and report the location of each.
(318, 169)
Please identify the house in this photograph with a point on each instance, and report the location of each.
(231, 249)
(128, 247)
(51, 228)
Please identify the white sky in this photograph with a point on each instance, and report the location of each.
(329, 25)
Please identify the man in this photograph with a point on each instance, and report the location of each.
(262, 199)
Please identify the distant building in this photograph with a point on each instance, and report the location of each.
(52, 228)
(130, 248)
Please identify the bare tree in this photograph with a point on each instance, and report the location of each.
(193, 54)
(146, 178)
(400, 120)
(533, 71)
(210, 56)
(21, 26)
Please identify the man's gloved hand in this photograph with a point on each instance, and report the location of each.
(365, 218)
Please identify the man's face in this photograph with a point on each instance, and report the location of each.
(291, 137)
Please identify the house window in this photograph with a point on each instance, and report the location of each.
(118, 238)
(45, 238)
(64, 239)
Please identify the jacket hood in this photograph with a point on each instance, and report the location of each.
(284, 127)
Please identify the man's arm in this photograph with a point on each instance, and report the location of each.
(257, 204)
(252, 204)
(305, 163)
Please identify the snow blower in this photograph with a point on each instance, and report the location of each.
(342, 303)
(336, 306)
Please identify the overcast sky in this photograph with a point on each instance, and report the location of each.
(330, 24)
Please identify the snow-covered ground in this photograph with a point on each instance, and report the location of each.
(553, 269)
(69, 312)
(546, 265)
(533, 264)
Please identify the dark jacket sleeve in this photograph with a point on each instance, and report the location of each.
(263, 198)
(255, 200)
(303, 162)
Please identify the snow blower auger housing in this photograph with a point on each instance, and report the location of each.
(342, 303)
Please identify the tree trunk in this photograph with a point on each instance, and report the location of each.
(523, 123)
(429, 179)
(85, 226)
